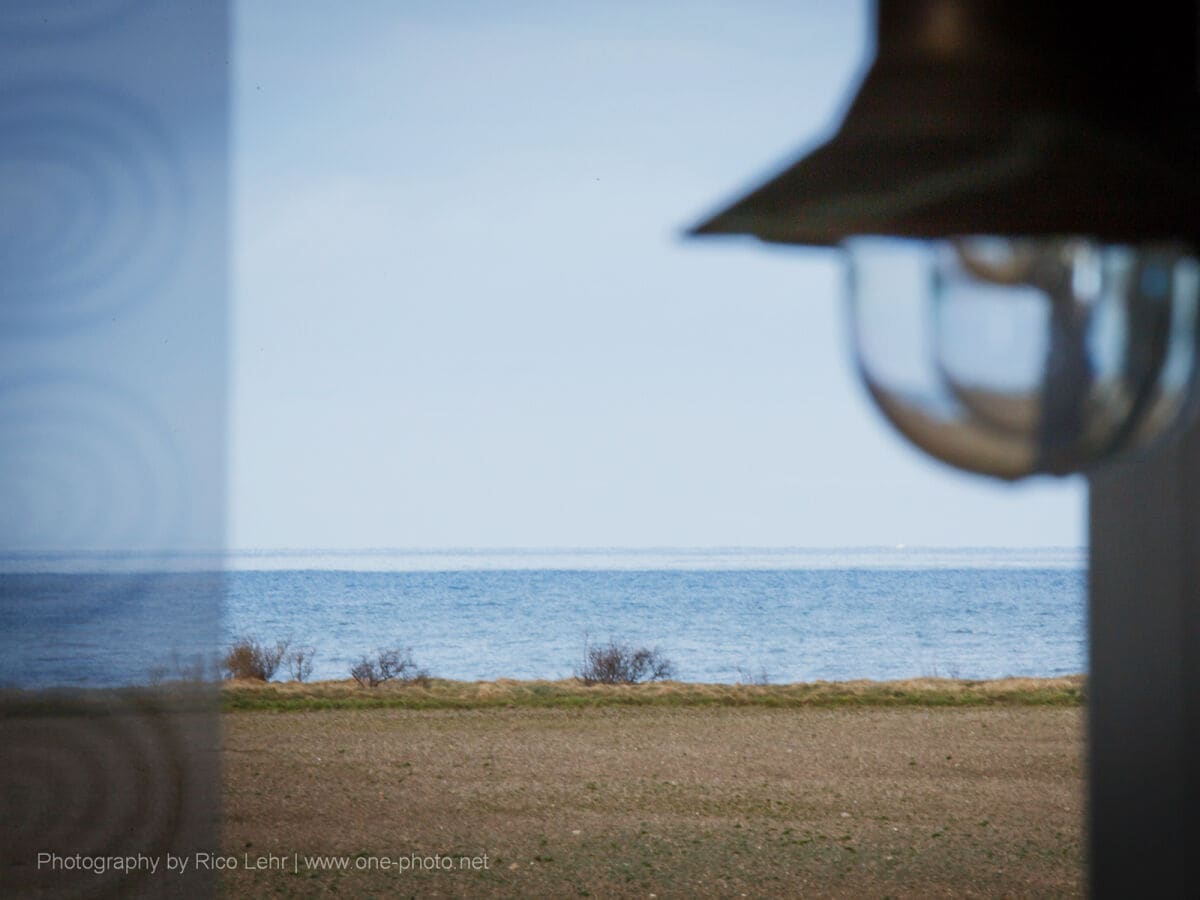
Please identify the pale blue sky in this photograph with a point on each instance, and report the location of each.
(464, 314)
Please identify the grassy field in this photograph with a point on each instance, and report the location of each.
(571, 694)
(913, 789)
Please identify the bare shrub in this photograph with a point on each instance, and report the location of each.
(759, 678)
(388, 664)
(614, 663)
(300, 662)
(194, 668)
(253, 659)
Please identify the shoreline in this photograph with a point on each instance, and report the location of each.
(244, 696)
(570, 693)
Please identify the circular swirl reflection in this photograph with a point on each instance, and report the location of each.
(94, 201)
(93, 780)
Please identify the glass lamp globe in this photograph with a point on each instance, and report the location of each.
(1016, 356)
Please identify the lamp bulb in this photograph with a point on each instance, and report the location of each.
(1015, 356)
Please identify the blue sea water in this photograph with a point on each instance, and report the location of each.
(720, 615)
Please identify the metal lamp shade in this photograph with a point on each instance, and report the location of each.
(1004, 118)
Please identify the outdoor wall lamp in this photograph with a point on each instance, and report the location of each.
(1015, 188)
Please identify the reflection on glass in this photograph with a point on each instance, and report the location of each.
(1012, 356)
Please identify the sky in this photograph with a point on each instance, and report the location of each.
(465, 313)
(113, 328)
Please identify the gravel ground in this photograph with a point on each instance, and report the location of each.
(639, 802)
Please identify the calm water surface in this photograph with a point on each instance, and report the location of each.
(720, 614)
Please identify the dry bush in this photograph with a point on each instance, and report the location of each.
(193, 668)
(253, 659)
(388, 664)
(300, 662)
(759, 679)
(196, 667)
(614, 663)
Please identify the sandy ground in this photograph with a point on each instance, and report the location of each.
(913, 802)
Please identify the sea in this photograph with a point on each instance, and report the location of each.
(721, 615)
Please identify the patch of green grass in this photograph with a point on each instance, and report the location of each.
(441, 694)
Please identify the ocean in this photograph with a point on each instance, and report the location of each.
(720, 615)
